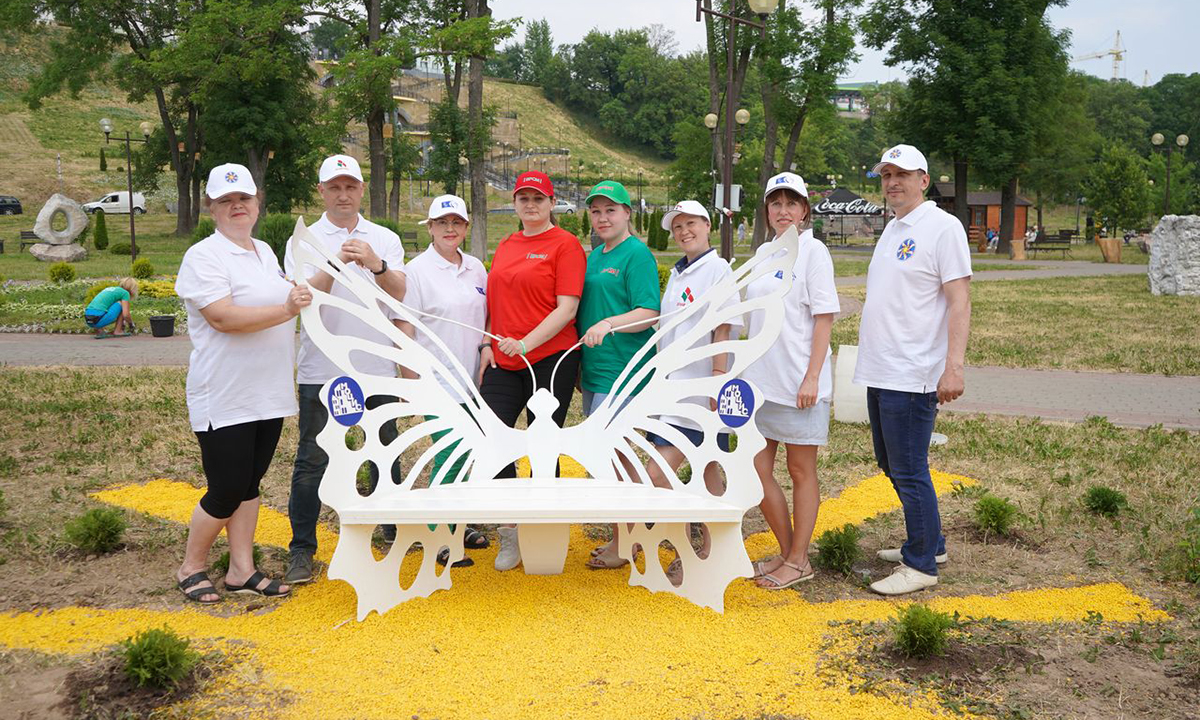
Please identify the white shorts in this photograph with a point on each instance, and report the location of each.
(791, 425)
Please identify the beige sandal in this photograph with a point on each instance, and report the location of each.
(777, 584)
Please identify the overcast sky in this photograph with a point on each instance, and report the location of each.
(1158, 36)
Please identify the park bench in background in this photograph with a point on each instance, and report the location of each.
(1044, 243)
(408, 238)
(29, 237)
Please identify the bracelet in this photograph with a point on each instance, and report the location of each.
(523, 350)
(482, 346)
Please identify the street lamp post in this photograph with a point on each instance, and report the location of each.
(762, 8)
(107, 126)
(1181, 140)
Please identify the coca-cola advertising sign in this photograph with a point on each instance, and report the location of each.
(844, 202)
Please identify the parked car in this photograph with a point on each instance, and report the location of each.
(9, 205)
(117, 202)
(563, 206)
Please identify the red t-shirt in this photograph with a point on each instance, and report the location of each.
(527, 276)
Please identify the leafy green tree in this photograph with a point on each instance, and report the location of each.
(536, 54)
(329, 37)
(404, 158)
(1118, 189)
(103, 161)
(1121, 111)
(1175, 109)
(1064, 148)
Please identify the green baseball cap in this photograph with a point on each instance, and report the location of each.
(612, 190)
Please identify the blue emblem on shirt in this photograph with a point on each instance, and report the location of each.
(779, 274)
(906, 249)
(479, 290)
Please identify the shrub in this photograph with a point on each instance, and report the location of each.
(203, 229)
(1105, 501)
(1185, 560)
(157, 289)
(98, 530)
(220, 566)
(275, 230)
(121, 248)
(157, 657)
(664, 274)
(995, 515)
(103, 161)
(921, 632)
(100, 231)
(61, 272)
(585, 226)
(570, 223)
(837, 549)
(142, 269)
(382, 222)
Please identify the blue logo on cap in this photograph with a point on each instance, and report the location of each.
(345, 401)
(447, 203)
(735, 403)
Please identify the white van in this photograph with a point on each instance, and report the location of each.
(117, 202)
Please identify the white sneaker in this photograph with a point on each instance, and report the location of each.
(904, 580)
(510, 552)
(893, 555)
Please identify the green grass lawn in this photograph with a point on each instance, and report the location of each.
(1089, 323)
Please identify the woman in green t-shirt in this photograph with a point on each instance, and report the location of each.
(111, 305)
(619, 306)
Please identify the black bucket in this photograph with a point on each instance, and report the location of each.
(162, 325)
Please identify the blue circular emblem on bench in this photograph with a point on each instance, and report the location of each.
(345, 401)
(735, 403)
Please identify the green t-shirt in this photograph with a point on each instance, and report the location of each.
(106, 297)
(616, 282)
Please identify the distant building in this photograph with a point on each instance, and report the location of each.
(849, 100)
(984, 207)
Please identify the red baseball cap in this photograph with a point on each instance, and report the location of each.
(535, 180)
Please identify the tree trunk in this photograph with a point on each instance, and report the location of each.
(770, 138)
(257, 160)
(182, 162)
(1008, 215)
(476, 144)
(375, 150)
(962, 211)
(394, 199)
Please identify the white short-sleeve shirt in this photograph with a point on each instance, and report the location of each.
(688, 282)
(779, 372)
(457, 292)
(902, 339)
(235, 377)
(313, 367)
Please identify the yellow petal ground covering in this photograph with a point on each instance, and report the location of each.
(505, 645)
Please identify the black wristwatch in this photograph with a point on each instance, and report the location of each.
(382, 267)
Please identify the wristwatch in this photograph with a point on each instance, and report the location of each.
(482, 346)
(382, 267)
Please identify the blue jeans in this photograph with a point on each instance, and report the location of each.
(901, 425)
(108, 317)
(304, 503)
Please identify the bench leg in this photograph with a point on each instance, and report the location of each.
(704, 579)
(543, 547)
(377, 582)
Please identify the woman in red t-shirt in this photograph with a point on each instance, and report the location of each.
(532, 295)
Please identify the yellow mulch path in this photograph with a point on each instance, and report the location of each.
(578, 645)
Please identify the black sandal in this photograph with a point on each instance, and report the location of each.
(443, 557)
(474, 540)
(251, 587)
(188, 587)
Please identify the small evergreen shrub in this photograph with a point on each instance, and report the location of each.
(585, 226)
(142, 269)
(837, 549)
(570, 223)
(61, 272)
(275, 230)
(220, 566)
(121, 248)
(157, 658)
(664, 274)
(103, 161)
(995, 515)
(100, 231)
(1105, 501)
(97, 531)
(203, 229)
(921, 632)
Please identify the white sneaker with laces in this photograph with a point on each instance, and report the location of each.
(509, 555)
(903, 581)
(893, 555)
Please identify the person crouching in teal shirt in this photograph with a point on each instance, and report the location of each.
(619, 306)
(111, 305)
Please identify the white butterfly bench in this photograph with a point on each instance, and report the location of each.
(544, 509)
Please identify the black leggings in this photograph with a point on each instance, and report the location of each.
(235, 458)
(507, 391)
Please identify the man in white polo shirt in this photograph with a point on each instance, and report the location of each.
(910, 357)
(375, 253)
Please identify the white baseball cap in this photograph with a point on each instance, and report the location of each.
(229, 178)
(786, 181)
(447, 205)
(686, 207)
(338, 165)
(905, 157)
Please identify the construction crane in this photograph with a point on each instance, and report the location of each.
(1118, 54)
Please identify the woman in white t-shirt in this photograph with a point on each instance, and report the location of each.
(795, 380)
(447, 283)
(241, 313)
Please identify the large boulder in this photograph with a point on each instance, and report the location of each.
(1175, 256)
(77, 221)
(58, 253)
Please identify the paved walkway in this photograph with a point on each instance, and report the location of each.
(1045, 269)
(1125, 398)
